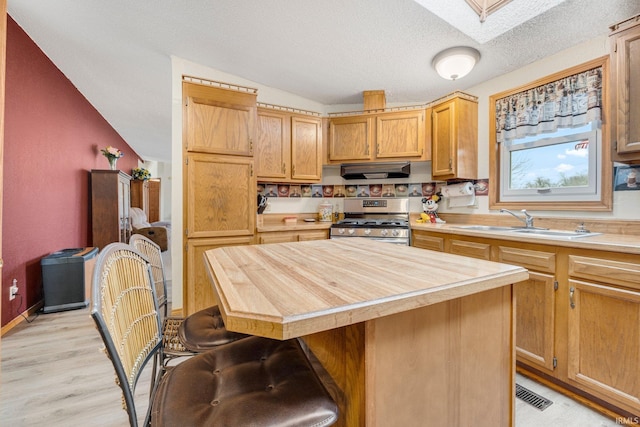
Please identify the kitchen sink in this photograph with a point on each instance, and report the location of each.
(486, 228)
(556, 233)
(534, 232)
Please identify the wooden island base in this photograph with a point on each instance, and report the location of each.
(450, 363)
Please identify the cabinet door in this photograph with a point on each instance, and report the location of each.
(220, 196)
(454, 139)
(273, 146)
(425, 241)
(198, 293)
(264, 238)
(470, 249)
(604, 342)
(444, 137)
(400, 134)
(218, 121)
(313, 235)
(306, 149)
(626, 89)
(535, 320)
(350, 138)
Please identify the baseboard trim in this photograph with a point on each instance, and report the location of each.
(21, 317)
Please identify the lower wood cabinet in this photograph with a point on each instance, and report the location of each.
(604, 328)
(198, 291)
(577, 316)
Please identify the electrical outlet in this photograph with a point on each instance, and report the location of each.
(13, 290)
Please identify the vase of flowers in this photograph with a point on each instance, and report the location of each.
(112, 154)
(141, 174)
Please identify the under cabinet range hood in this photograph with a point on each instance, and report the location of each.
(375, 170)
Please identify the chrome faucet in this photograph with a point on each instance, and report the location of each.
(528, 219)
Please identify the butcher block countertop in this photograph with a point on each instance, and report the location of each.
(288, 290)
(624, 243)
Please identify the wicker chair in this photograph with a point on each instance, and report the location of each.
(255, 381)
(199, 332)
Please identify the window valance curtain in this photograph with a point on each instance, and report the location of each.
(568, 102)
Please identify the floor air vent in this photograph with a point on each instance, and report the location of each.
(531, 398)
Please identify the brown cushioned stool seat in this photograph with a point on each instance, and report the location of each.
(251, 382)
(204, 330)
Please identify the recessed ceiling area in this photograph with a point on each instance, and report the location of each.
(506, 15)
(118, 53)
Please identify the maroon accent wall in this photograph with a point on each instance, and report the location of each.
(53, 137)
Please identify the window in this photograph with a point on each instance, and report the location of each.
(550, 148)
(560, 166)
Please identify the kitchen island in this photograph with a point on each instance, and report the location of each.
(409, 337)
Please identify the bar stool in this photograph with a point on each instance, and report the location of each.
(250, 382)
(197, 340)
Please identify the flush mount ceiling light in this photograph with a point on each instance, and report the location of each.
(455, 62)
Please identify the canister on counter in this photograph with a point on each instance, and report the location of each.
(325, 211)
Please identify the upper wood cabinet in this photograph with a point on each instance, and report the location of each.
(350, 138)
(306, 148)
(454, 139)
(218, 121)
(289, 147)
(378, 137)
(400, 135)
(625, 90)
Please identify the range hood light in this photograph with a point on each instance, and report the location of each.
(380, 175)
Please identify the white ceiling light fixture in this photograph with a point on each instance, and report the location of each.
(455, 62)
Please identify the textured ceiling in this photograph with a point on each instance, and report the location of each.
(117, 52)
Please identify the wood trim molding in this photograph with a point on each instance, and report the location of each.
(606, 173)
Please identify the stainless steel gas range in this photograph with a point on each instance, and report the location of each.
(384, 219)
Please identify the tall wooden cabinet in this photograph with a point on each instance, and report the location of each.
(110, 203)
(219, 181)
(154, 199)
(140, 195)
(454, 138)
(625, 90)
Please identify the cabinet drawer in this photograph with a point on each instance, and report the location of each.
(427, 242)
(535, 260)
(619, 273)
(470, 249)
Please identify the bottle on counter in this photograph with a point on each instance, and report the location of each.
(325, 211)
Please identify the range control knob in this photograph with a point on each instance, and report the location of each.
(352, 231)
(384, 232)
(367, 231)
(341, 230)
(395, 233)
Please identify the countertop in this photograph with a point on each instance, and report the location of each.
(605, 242)
(288, 290)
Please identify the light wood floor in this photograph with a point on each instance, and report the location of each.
(54, 374)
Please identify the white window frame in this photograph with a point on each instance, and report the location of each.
(590, 193)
